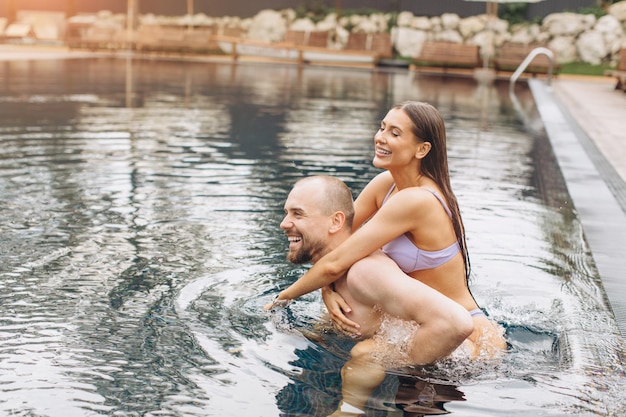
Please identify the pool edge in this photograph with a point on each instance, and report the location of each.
(594, 195)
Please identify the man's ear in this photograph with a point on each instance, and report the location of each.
(337, 221)
(422, 149)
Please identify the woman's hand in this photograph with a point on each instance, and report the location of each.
(338, 308)
(277, 302)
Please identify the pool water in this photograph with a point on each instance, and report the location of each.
(139, 218)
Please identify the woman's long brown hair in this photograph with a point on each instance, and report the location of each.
(428, 126)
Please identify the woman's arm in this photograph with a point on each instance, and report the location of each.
(395, 218)
(371, 197)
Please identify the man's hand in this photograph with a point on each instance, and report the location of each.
(338, 308)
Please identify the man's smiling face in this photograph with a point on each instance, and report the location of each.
(304, 224)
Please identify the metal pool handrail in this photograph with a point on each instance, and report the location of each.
(528, 60)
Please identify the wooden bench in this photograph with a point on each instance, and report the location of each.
(175, 39)
(375, 42)
(317, 38)
(199, 40)
(510, 55)
(157, 38)
(447, 55)
(106, 37)
(620, 72)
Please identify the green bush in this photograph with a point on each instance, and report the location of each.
(596, 11)
(513, 12)
(316, 10)
(583, 68)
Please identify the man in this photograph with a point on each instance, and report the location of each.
(318, 217)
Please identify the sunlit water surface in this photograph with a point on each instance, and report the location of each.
(140, 203)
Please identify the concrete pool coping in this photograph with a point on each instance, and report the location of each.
(583, 117)
(592, 174)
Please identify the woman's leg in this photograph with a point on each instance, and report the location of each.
(443, 323)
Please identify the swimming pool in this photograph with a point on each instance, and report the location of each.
(140, 209)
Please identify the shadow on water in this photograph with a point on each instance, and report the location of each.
(140, 209)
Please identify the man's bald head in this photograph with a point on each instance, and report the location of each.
(330, 195)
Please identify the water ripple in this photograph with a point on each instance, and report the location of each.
(140, 241)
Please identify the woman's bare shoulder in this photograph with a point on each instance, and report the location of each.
(381, 182)
(414, 197)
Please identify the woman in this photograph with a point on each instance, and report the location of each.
(411, 212)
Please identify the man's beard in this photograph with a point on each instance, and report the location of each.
(307, 253)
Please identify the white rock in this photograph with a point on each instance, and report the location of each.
(522, 34)
(448, 36)
(373, 24)
(330, 18)
(380, 21)
(244, 24)
(405, 19)
(612, 31)
(328, 23)
(234, 21)
(543, 37)
(500, 38)
(614, 44)
(355, 19)
(618, 10)
(499, 25)
(588, 20)
(421, 23)
(567, 24)
(572, 36)
(565, 48)
(267, 25)
(470, 26)
(303, 24)
(591, 47)
(435, 24)
(289, 15)
(450, 21)
(534, 29)
(338, 37)
(609, 24)
(486, 43)
(408, 42)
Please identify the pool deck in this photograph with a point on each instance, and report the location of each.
(585, 119)
(600, 110)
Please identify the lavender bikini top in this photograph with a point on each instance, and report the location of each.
(411, 258)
